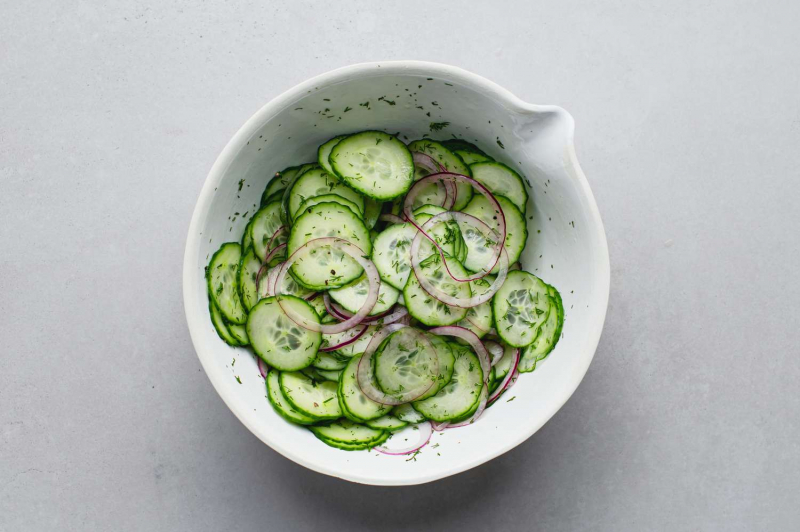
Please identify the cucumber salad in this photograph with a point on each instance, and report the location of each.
(380, 287)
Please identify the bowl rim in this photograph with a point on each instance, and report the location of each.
(192, 306)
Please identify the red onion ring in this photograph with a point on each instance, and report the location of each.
(263, 368)
(359, 334)
(391, 218)
(356, 254)
(385, 318)
(424, 437)
(442, 176)
(473, 301)
(365, 374)
(439, 427)
(504, 384)
(496, 350)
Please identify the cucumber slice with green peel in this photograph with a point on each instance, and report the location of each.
(265, 222)
(452, 163)
(310, 202)
(502, 181)
(239, 332)
(479, 319)
(391, 253)
(479, 253)
(284, 212)
(332, 375)
(316, 182)
(463, 145)
(289, 287)
(353, 296)
(348, 432)
(446, 364)
(446, 233)
(354, 402)
(249, 266)
(404, 362)
(247, 236)
(355, 446)
(372, 210)
(461, 394)
(387, 422)
(407, 413)
(482, 396)
(374, 163)
(548, 337)
(281, 404)
(471, 158)
(220, 326)
(327, 361)
(503, 365)
(278, 183)
(359, 346)
(318, 304)
(311, 398)
(493, 381)
(325, 150)
(431, 194)
(324, 268)
(520, 307)
(278, 340)
(222, 282)
(426, 308)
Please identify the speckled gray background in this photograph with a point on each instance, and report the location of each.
(688, 127)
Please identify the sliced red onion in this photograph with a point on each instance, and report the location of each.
(425, 433)
(365, 375)
(356, 254)
(439, 427)
(385, 318)
(504, 384)
(391, 218)
(265, 267)
(472, 339)
(278, 232)
(447, 176)
(443, 296)
(496, 350)
(359, 332)
(263, 368)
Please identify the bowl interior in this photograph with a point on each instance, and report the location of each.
(566, 244)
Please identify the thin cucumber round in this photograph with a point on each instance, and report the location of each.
(463, 145)
(355, 446)
(247, 236)
(281, 404)
(265, 222)
(324, 268)
(327, 361)
(278, 340)
(330, 374)
(248, 271)
(452, 163)
(407, 413)
(548, 336)
(387, 422)
(284, 211)
(310, 202)
(316, 182)
(520, 307)
(446, 359)
(372, 211)
(239, 332)
(289, 287)
(220, 326)
(278, 183)
(479, 319)
(426, 308)
(471, 158)
(501, 181)
(516, 231)
(391, 253)
(446, 233)
(311, 398)
(222, 282)
(461, 394)
(346, 432)
(359, 346)
(353, 296)
(354, 402)
(404, 362)
(325, 150)
(503, 365)
(374, 163)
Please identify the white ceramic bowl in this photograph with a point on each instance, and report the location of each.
(566, 244)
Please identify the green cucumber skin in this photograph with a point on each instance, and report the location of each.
(240, 320)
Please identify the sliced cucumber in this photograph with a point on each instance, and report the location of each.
(520, 307)
(353, 296)
(471, 158)
(461, 394)
(222, 282)
(346, 432)
(479, 319)
(310, 202)
(265, 222)
(310, 397)
(316, 182)
(219, 324)
(430, 194)
(463, 145)
(354, 402)
(327, 361)
(451, 162)
(516, 231)
(493, 382)
(427, 309)
(503, 181)
(278, 340)
(387, 422)
(289, 287)
(391, 253)
(249, 266)
(482, 396)
(239, 332)
(318, 304)
(355, 446)
(325, 150)
(446, 233)
(503, 365)
(407, 413)
(359, 346)
(548, 336)
(284, 211)
(372, 210)
(405, 362)
(278, 183)
(446, 362)
(374, 163)
(281, 404)
(325, 268)
(247, 236)
(330, 374)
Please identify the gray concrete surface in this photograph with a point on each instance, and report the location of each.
(688, 126)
